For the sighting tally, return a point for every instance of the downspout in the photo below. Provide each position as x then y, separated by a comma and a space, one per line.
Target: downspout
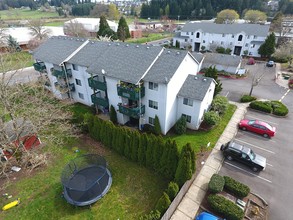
66, 79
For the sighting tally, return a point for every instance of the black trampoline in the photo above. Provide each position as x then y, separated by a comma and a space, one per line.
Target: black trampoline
86, 179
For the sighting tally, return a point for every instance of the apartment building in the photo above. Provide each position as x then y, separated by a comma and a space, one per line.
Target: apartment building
240, 38
139, 81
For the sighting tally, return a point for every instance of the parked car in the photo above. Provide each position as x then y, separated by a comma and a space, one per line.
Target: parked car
238, 152
258, 127
207, 216
270, 63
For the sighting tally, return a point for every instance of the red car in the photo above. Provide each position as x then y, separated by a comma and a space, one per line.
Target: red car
258, 127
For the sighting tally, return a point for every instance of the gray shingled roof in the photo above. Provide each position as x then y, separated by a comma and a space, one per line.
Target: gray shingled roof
198, 56
195, 87
206, 27
56, 49
220, 59
166, 65
89, 53
127, 62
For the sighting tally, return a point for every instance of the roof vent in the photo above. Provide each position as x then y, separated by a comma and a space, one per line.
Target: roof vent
82, 40
148, 47
77, 39
166, 79
127, 45
204, 79
178, 53
169, 52
92, 42
109, 44
71, 38
137, 46
117, 44
195, 78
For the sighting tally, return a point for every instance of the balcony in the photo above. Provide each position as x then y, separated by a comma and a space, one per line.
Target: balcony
133, 112
95, 84
129, 92
96, 99
61, 73
72, 87
39, 66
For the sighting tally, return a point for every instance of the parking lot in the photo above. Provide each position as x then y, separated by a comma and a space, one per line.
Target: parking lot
274, 182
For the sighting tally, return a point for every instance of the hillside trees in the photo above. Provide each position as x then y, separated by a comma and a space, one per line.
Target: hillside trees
227, 16
255, 16
123, 30
268, 47
105, 30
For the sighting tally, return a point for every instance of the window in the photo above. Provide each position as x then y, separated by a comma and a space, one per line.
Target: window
78, 82
197, 35
203, 41
253, 46
74, 67
187, 102
188, 118
153, 104
246, 45
153, 86
254, 36
248, 36
191, 33
151, 121
232, 35
185, 40
190, 40
240, 38
212, 42
223, 35
231, 43
80, 95
222, 42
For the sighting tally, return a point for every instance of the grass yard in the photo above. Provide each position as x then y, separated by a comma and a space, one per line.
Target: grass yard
134, 190
14, 61
18, 14
151, 37
202, 138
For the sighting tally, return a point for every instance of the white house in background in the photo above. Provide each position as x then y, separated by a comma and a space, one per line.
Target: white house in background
139, 81
91, 25
240, 38
222, 62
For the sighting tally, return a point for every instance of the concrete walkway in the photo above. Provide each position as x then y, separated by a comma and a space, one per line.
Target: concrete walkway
190, 203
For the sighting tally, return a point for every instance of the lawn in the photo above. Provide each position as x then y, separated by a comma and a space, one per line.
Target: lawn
202, 138
150, 37
134, 189
13, 61
18, 14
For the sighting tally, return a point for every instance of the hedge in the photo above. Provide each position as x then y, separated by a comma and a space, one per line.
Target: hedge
216, 183
225, 207
279, 108
172, 190
236, 188
262, 106
211, 118
247, 98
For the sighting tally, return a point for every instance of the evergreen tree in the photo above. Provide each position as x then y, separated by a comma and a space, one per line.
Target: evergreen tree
142, 149
187, 149
163, 203
105, 30
173, 158
180, 126
268, 47
158, 151
157, 126
185, 167
13, 45
113, 114
127, 142
150, 151
213, 73
172, 190
122, 139
164, 159
134, 146
123, 30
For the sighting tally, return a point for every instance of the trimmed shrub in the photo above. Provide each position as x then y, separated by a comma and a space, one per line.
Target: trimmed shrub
172, 190
247, 98
225, 207
279, 108
163, 203
236, 188
220, 104
220, 50
113, 114
261, 106
185, 169
211, 118
216, 183
180, 126
153, 215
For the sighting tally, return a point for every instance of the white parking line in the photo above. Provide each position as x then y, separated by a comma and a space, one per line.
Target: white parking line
272, 152
284, 95
227, 94
256, 135
270, 165
270, 122
232, 165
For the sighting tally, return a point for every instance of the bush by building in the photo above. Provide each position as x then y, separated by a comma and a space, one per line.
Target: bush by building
247, 98
211, 118
220, 104
180, 126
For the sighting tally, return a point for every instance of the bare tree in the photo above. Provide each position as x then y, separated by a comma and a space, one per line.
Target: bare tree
75, 29
28, 108
37, 29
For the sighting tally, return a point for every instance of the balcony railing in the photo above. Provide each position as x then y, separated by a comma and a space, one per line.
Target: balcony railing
96, 99
95, 84
130, 92
40, 66
133, 112
61, 73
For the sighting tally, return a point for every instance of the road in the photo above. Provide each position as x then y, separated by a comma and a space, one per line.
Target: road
275, 183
